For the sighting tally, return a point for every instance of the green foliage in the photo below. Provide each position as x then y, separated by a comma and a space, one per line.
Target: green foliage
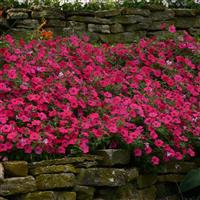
191, 181
101, 5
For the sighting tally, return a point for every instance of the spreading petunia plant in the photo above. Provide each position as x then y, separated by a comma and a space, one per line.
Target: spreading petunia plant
65, 95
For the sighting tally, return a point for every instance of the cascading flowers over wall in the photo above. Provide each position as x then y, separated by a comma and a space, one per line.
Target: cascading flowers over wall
66, 94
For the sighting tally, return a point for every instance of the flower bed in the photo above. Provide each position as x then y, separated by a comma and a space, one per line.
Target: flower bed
65, 95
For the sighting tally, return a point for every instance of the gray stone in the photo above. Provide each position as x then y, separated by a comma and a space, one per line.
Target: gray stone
48, 14
1, 171
116, 28
162, 15
135, 11
16, 168
56, 23
92, 20
144, 181
98, 28
113, 157
53, 169
84, 192
102, 177
108, 13
128, 19
17, 15
52, 181
27, 24
18, 185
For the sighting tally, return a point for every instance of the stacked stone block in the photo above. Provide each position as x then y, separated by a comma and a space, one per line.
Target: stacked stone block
124, 25
109, 175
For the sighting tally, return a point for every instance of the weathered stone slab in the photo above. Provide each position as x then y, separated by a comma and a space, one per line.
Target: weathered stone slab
187, 22
52, 181
98, 28
139, 26
92, 20
48, 14
80, 13
177, 167
174, 178
132, 174
167, 190
144, 181
184, 12
56, 23
135, 11
16, 168
73, 27
126, 192
128, 19
3, 23
126, 37
84, 192
156, 25
27, 23
65, 195
102, 177
113, 157
46, 195
1, 171
116, 28
108, 13
25, 10
162, 15
1, 198
53, 169
18, 185
63, 161
17, 15
87, 164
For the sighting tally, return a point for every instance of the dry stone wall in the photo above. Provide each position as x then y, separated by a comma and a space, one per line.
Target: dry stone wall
109, 175
122, 25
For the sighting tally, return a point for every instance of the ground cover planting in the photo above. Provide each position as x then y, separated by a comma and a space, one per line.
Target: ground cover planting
66, 96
